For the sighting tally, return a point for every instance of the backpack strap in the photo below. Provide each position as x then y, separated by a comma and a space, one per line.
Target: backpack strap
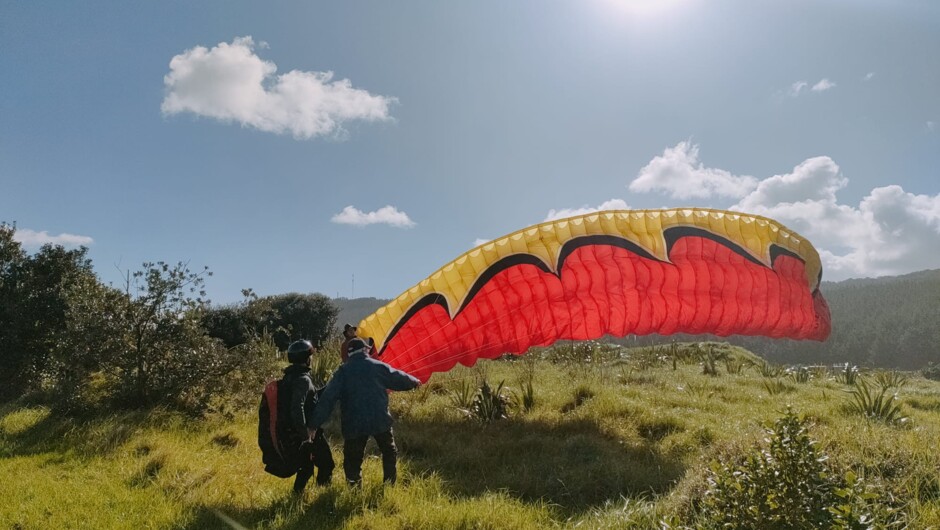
270, 394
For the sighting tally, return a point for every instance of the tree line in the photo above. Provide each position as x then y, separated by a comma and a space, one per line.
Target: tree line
70, 340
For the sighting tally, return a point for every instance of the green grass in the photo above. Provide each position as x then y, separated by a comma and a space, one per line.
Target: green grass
617, 443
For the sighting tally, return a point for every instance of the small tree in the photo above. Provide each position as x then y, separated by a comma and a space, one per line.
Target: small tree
34, 307
300, 316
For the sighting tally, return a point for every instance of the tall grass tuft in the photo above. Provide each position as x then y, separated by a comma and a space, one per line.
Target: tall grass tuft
489, 404
875, 404
848, 375
462, 393
735, 366
766, 369
799, 374
891, 379
524, 397
323, 364
775, 386
710, 363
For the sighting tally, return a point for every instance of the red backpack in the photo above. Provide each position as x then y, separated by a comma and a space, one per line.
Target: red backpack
279, 443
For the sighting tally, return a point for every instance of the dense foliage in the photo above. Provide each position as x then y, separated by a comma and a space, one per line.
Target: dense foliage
80, 344
789, 484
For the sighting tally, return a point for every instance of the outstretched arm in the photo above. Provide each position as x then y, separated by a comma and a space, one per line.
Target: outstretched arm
398, 380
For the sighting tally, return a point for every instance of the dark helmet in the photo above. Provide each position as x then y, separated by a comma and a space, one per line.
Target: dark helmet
299, 350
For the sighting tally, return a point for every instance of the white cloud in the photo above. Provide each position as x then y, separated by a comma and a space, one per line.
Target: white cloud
388, 215
32, 239
823, 85
890, 231
613, 204
231, 83
797, 88
679, 174
869, 75
801, 87
814, 179
931, 126
480, 241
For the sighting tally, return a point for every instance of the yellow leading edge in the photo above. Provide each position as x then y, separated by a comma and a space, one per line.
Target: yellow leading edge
453, 281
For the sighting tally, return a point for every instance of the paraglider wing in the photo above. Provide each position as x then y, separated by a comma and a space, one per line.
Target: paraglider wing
614, 272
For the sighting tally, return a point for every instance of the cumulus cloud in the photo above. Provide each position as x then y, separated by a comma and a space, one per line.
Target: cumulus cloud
869, 75
230, 83
890, 231
679, 174
388, 215
613, 204
823, 85
32, 239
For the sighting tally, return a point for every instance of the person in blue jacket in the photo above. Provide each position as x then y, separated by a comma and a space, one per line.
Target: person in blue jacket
361, 386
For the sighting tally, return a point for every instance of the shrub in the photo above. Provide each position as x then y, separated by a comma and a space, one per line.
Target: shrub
932, 372
788, 484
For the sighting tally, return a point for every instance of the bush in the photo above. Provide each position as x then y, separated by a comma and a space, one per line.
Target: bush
932, 372
788, 484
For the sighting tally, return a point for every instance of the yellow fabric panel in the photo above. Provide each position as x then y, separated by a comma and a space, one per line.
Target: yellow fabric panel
544, 241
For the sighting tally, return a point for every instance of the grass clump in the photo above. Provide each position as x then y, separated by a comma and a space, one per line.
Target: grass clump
489, 404
848, 375
876, 404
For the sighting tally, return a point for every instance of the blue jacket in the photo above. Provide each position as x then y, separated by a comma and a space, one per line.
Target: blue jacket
361, 387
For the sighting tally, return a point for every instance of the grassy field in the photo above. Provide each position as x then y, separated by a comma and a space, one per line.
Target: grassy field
609, 440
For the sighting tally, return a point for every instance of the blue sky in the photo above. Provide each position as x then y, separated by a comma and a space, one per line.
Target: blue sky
291, 145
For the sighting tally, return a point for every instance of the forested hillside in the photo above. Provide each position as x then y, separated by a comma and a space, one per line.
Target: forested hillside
352, 310
890, 322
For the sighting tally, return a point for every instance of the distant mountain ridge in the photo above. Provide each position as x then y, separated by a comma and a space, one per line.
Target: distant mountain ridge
886, 322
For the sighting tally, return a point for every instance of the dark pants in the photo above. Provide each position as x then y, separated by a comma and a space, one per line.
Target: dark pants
316, 453
355, 448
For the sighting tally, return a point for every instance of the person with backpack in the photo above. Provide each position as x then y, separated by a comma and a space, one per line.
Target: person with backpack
289, 443
361, 386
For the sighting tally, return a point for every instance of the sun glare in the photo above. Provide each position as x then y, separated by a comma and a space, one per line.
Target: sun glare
644, 7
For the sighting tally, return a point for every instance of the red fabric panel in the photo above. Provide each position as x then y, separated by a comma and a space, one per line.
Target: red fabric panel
708, 288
